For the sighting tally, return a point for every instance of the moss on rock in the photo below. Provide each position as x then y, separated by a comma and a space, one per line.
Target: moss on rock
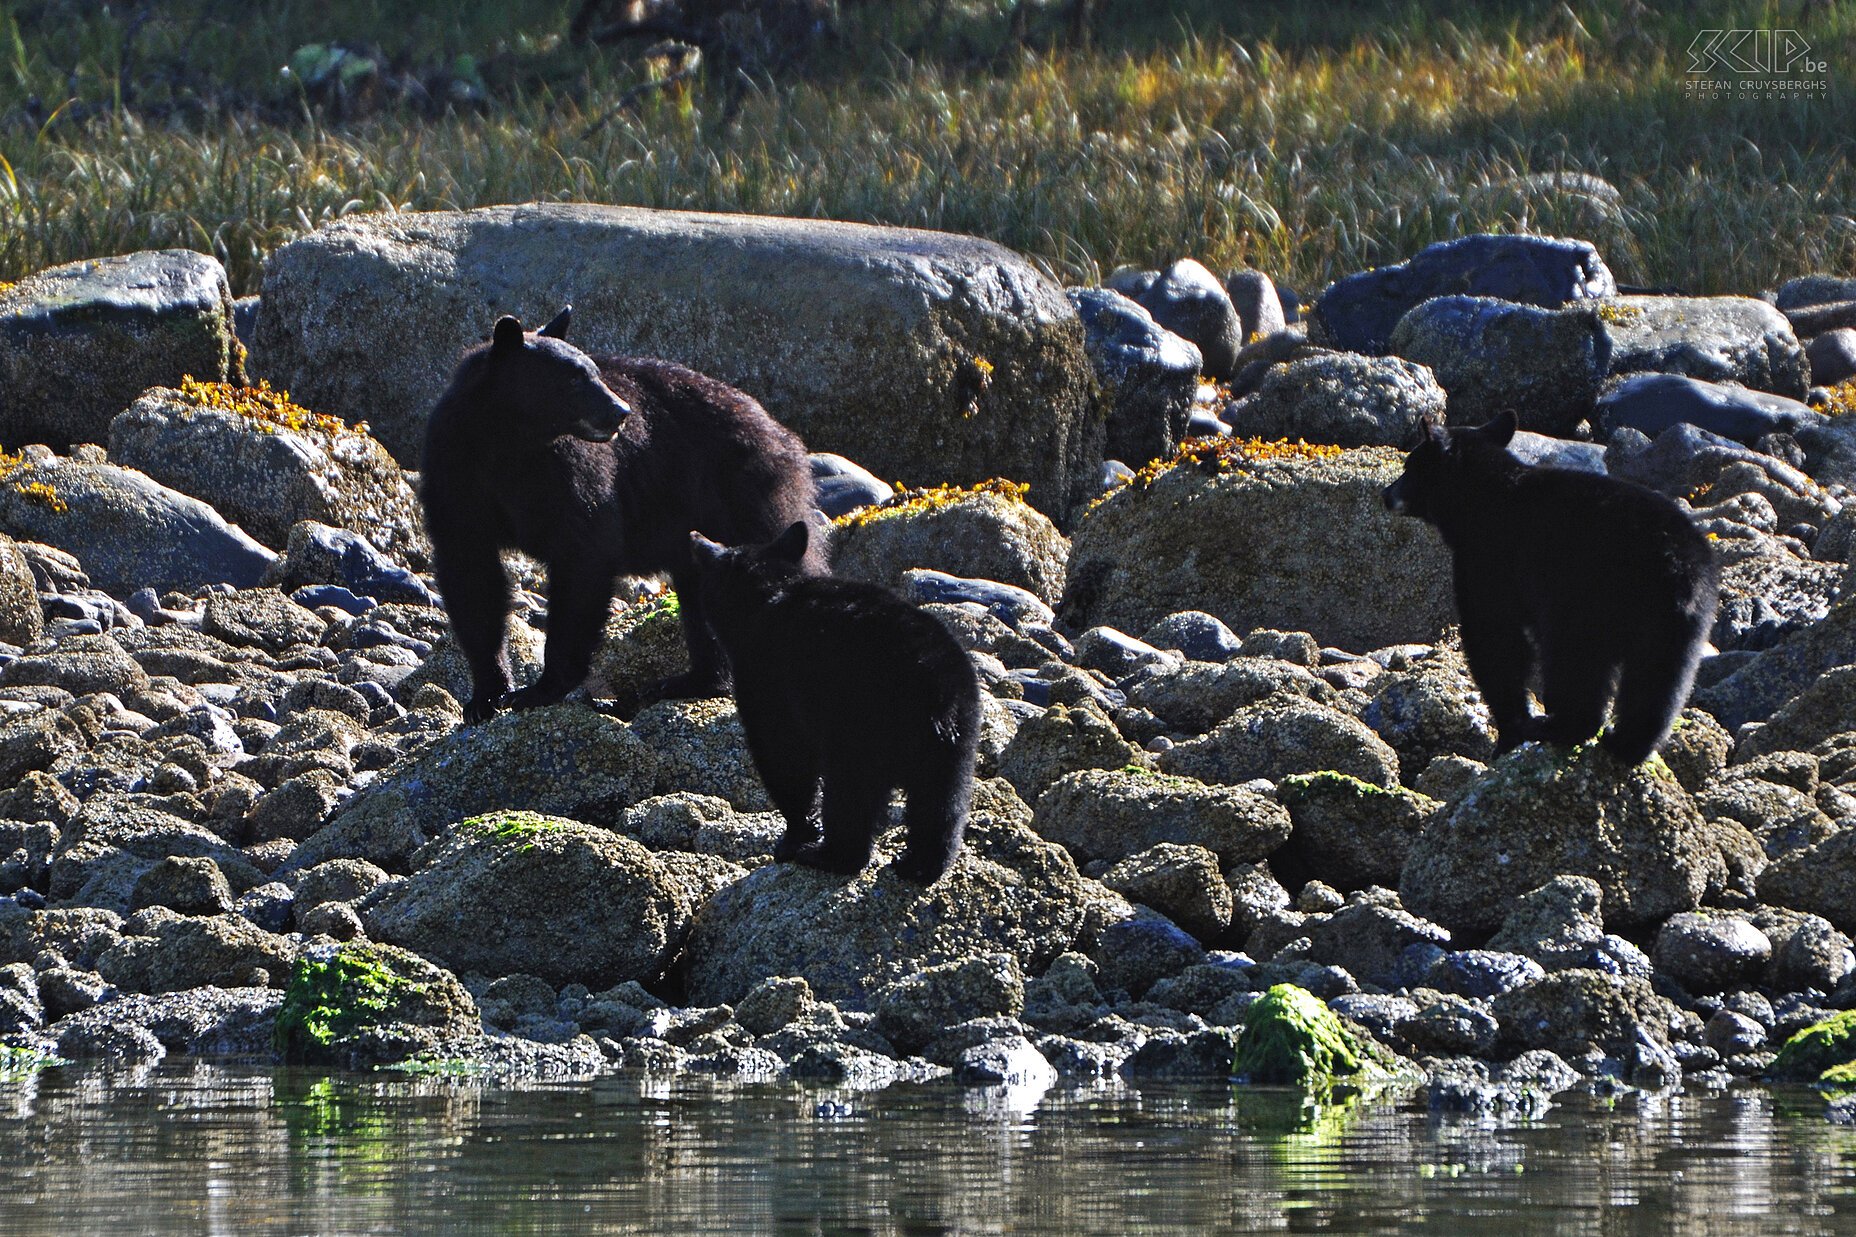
1291, 1038
1822, 1052
367, 1003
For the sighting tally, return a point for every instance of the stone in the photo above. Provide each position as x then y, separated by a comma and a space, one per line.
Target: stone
81, 665
1188, 300
1008, 892
361, 1004
1194, 697
1294, 539
1063, 740
1574, 1011
22, 622
1281, 736
1195, 634
700, 748
1823, 709
1804, 291
1349, 833
190, 885
1451, 1027
1181, 882
979, 534
1259, 307
1290, 1038
1832, 357
921, 355
318, 554
260, 618
1138, 951
1430, 710
1738, 339
1147, 374
1543, 812
1707, 953
516, 892
1115, 813
844, 486
1493, 356
162, 951
1815, 878
78, 342
563, 761
1358, 313
1654, 402
1341, 398
916, 1008
130, 531
266, 464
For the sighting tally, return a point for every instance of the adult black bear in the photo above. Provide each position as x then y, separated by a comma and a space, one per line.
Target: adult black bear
847, 684
598, 467
1603, 586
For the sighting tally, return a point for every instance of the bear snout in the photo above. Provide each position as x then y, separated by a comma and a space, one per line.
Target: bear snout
602, 425
1394, 496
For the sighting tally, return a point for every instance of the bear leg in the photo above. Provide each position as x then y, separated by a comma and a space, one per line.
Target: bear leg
1577, 680
936, 817
708, 673
578, 601
478, 599
1500, 659
789, 770
854, 810
1652, 690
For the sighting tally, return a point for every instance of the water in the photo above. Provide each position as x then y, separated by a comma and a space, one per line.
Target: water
196, 1148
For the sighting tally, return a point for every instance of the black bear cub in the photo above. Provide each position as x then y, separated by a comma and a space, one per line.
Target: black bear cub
1585, 585
598, 467
846, 684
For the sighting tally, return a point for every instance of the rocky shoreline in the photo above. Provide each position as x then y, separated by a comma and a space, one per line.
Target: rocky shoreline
1239, 812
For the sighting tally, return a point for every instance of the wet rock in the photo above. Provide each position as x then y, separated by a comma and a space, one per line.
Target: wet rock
1009, 891
564, 761
361, 1004
191, 886
521, 892
1291, 1039
1572, 1012
1134, 953
700, 748
22, 622
1341, 398
1368, 939
1481, 973
1351, 833
1188, 300
1194, 696
979, 534
1112, 814
1491, 356
1709, 952
110, 1042
1200, 1055
773, 1003
1451, 1027
1731, 1034
1656, 401
1543, 812
920, 355
1148, 375
916, 1008
1195, 634
1147, 552
1807, 951
265, 464
1283, 736
844, 486
161, 951
1060, 741
78, 342
1010, 1061
1817, 1049
318, 554
1181, 882
1832, 356
1358, 313
1713, 338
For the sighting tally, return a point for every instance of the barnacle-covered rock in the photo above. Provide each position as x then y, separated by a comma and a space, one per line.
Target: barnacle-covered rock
986, 532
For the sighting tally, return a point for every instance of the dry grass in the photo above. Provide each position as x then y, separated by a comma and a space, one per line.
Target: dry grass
1310, 148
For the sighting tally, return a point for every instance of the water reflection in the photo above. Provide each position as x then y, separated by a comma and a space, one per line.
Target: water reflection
194, 1147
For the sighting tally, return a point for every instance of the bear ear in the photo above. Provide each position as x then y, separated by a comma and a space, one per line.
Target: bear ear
704, 550
791, 544
508, 334
557, 325
1431, 427
1500, 431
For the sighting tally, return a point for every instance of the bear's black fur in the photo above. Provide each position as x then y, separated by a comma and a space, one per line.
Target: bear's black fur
847, 684
1603, 587
598, 467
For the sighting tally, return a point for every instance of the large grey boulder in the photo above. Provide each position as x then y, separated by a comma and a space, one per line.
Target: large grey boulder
78, 342
566, 760
1655, 402
519, 892
1492, 356
1357, 313
128, 530
1148, 375
1710, 338
1009, 892
984, 533
1294, 539
1541, 812
924, 356
265, 464
1342, 398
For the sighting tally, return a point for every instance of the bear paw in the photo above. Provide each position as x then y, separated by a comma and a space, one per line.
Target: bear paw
686, 686
920, 869
818, 855
534, 696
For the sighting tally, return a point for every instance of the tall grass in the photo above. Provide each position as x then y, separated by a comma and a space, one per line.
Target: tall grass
1320, 145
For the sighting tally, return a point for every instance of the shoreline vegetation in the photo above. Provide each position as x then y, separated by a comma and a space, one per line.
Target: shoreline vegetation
1309, 144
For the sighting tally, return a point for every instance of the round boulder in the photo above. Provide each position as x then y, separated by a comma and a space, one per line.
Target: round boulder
1341, 398
987, 532
1115, 813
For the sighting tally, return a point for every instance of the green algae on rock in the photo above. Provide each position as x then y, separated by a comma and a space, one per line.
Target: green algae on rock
369, 1003
1824, 1051
1291, 1038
